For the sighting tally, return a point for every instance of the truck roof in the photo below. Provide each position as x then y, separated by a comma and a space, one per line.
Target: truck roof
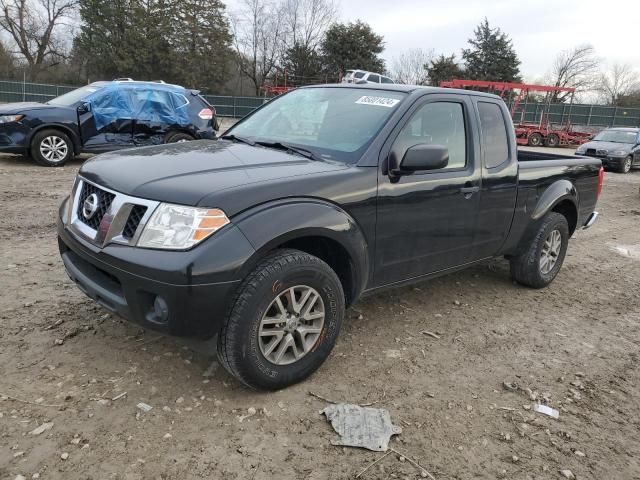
397, 87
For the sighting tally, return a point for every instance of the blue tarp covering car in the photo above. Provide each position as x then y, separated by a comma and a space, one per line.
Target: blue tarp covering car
160, 104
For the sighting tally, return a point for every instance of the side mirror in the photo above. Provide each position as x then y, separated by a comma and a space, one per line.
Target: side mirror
84, 108
419, 157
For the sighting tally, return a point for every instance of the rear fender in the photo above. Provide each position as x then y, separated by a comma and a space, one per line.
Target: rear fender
561, 191
275, 223
557, 192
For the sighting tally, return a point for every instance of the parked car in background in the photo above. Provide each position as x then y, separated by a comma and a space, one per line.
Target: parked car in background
362, 76
105, 116
321, 195
618, 148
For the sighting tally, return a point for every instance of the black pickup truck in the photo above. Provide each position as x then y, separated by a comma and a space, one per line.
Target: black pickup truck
324, 194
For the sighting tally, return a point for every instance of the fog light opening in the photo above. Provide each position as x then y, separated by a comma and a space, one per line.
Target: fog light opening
160, 311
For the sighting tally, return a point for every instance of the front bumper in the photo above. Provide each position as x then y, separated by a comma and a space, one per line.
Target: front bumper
178, 293
607, 161
13, 138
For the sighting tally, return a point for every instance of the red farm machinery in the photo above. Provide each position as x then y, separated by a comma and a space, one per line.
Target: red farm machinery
533, 133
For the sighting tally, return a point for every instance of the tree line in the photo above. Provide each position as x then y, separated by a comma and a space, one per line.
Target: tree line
201, 44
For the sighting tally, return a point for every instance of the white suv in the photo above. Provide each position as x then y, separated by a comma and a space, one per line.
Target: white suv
362, 76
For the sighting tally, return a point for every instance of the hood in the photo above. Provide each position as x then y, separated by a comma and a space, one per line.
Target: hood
608, 146
189, 173
23, 107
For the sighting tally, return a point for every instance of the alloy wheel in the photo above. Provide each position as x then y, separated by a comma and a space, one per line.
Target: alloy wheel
54, 149
550, 252
291, 325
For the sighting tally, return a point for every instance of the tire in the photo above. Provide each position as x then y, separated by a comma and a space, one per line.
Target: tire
51, 148
246, 355
175, 137
625, 165
535, 140
552, 140
527, 269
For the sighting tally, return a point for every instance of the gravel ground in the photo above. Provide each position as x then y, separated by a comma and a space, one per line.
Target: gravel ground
79, 372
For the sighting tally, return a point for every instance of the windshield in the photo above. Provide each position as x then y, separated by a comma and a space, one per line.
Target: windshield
334, 123
74, 96
359, 74
616, 136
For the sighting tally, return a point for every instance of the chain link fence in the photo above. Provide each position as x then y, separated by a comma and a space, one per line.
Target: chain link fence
237, 107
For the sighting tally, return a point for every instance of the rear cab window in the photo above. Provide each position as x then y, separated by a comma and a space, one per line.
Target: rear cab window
495, 139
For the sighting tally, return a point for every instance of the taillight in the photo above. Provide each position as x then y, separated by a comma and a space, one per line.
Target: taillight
600, 182
206, 114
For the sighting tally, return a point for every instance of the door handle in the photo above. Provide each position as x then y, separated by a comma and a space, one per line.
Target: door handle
469, 191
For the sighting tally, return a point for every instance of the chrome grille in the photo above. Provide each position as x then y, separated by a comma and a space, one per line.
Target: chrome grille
104, 202
117, 218
137, 212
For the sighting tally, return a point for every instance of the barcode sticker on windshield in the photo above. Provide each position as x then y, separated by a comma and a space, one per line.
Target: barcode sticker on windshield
378, 101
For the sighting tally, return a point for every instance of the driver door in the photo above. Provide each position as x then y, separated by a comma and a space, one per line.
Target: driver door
427, 220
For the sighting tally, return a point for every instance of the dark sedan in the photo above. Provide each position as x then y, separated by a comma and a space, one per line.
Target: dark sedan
105, 116
618, 148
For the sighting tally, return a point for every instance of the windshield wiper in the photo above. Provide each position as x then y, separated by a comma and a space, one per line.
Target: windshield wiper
290, 148
235, 138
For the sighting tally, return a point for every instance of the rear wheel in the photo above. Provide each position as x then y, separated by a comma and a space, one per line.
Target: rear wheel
177, 137
535, 140
51, 148
540, 264
552, 140
625, 165
284, 321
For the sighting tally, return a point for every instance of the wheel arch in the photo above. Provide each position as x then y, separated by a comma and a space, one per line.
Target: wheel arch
75, 139
315, 227
561, 197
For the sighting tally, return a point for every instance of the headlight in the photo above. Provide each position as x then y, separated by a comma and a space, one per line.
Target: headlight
580, 150
177, 227
619, 153
10, 118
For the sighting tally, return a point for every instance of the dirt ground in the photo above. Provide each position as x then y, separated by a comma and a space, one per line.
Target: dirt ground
575, 345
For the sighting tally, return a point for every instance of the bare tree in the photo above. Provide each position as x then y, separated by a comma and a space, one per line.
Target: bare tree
33, 28
259, 39
621, 80
306, 21
574, 68
410, 67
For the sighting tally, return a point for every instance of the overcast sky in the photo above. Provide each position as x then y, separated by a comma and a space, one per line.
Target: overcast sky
539, 29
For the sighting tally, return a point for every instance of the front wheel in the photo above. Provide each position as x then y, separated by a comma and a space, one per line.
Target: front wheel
51, 148
625, 165
540, 264
284, 321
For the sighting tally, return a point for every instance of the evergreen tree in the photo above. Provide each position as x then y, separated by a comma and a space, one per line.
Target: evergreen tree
178, 41
442, 69
202, 42
491, 56
351, 46
303, 65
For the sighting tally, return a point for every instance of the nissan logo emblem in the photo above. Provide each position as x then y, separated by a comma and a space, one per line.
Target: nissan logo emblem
90, 206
